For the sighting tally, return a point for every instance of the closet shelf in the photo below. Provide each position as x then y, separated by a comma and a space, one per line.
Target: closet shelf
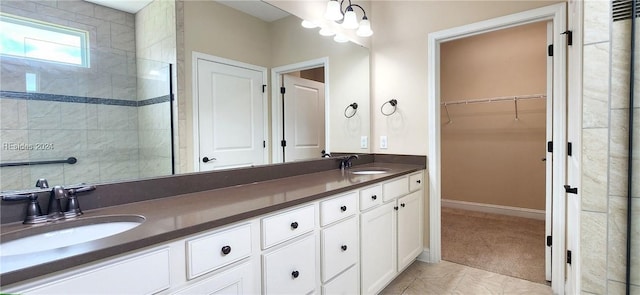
490, 100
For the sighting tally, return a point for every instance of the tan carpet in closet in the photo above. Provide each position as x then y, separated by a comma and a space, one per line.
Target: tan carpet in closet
507, 245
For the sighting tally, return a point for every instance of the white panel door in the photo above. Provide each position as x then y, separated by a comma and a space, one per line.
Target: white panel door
230, 116
304, 118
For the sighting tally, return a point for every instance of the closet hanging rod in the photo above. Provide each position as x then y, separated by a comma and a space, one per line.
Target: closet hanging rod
494, 99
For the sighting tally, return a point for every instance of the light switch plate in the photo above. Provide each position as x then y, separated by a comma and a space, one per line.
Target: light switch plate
383, 142
364, 142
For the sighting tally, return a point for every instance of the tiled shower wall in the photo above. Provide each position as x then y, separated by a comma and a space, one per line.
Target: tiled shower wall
155, 41
605, 146
101, 135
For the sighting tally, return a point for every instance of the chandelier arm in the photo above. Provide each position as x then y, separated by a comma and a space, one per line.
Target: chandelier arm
363, 12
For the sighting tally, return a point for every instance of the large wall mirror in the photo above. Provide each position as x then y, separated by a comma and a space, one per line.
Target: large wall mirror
107, 104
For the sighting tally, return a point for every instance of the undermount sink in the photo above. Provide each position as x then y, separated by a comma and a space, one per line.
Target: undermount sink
66, 233
369, 170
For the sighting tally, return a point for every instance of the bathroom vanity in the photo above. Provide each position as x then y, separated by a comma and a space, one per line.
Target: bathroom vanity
330, 232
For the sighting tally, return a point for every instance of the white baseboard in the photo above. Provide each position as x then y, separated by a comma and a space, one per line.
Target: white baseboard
424, 256
495, 209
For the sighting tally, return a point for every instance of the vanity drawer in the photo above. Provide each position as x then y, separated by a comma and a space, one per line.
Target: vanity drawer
416, 181
370, 197
395, 188
291, 269
287, 225
140, 273
345, 284
338, 208
212, 251
339, 248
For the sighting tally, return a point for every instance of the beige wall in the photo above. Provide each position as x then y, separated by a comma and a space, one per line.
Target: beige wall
487, 156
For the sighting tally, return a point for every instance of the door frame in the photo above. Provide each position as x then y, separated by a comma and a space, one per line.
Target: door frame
195, 57
276, 102
557, 14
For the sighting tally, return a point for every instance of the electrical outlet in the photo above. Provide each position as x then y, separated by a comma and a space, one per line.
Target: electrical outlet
364, 142
383, 142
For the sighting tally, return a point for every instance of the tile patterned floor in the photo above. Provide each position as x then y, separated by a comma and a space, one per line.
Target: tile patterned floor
451, 278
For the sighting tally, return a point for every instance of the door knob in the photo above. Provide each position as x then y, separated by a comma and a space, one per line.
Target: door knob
206, 159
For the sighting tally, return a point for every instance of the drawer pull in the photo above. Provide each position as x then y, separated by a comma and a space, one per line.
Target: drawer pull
226, 250
419, 181
294, 225
295, 274
343, 208
344, 247
374, 197
402, 205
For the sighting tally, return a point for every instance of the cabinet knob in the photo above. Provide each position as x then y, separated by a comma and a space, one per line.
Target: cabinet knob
295, 274
419, 181
395, 208
344, 247
294, 225
402, 205
343, 208
226, 250
374, 197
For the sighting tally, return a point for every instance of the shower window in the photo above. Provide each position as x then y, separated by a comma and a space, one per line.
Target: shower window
26, 38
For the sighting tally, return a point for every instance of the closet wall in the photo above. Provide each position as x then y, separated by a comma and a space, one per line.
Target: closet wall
488, 156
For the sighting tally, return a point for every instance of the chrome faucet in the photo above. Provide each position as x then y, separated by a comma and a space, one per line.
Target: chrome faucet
56, 195
346, 161
55, 208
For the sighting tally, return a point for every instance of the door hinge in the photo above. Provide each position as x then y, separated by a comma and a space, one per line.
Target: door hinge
569, 149
569, 256
550, 146
282, 90
283, 143
264, 144
550, 50
569, 37
570, 190
549, 241
264, 87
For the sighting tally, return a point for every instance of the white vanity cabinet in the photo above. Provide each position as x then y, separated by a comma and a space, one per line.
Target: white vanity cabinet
391, 234
351, 243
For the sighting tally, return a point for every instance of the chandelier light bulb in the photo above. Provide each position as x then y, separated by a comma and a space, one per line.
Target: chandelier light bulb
334, 11
309, 25
350, 20
326, 32
364, 30
340, 38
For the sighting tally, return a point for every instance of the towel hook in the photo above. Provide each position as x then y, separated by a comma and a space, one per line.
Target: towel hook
354, 106
393, 103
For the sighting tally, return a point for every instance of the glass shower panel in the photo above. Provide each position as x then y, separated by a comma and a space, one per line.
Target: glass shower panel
72, 124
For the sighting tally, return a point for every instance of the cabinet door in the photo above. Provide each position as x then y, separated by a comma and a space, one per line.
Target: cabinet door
236, 280
409, 228
378, 248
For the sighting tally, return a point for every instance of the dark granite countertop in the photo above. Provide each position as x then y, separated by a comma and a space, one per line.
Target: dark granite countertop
178, 216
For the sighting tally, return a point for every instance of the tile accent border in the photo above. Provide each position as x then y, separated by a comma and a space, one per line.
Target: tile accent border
81, 99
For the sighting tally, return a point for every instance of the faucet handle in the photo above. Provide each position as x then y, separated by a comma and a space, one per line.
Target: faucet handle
42, 183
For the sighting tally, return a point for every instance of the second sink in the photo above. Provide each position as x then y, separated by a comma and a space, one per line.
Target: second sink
369, 170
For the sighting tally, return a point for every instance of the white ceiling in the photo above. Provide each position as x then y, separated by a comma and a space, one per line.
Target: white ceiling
131, 6
256, 8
